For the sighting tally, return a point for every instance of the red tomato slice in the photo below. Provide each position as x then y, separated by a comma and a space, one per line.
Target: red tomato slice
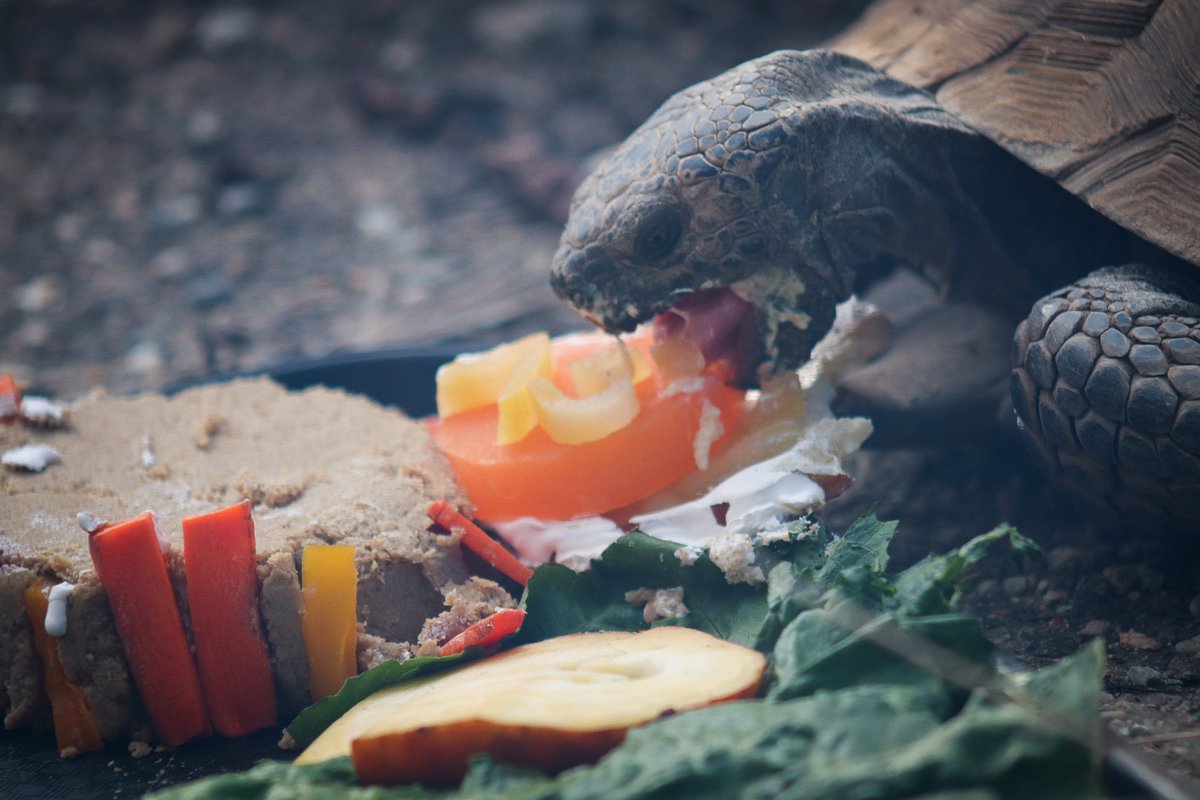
537, 477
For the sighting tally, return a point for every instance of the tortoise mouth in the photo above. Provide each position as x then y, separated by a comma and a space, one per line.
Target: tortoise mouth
722, 326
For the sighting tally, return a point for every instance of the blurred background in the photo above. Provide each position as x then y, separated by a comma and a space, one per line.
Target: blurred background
189, 188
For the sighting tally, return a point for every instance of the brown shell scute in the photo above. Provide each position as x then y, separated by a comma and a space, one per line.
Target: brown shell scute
1102, 97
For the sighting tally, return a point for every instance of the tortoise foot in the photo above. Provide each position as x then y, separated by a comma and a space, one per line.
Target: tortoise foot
1106, 385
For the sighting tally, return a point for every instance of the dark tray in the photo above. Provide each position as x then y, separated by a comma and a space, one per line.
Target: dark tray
402, 378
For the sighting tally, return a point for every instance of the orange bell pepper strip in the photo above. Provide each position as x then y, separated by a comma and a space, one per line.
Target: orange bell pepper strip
488, 631
129, 558
478, 542
330, 616
231, 653
74, 723
10, 397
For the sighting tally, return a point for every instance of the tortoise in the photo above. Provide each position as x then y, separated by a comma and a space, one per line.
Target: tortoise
1049, 150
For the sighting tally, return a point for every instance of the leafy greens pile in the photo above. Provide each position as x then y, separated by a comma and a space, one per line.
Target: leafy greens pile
876, 687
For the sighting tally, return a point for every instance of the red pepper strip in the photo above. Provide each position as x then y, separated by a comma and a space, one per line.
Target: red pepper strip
231, 654
129, 559
478, 542
74, 724
487, 631
10, 397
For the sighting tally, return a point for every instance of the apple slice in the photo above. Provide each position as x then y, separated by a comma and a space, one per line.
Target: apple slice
552, 705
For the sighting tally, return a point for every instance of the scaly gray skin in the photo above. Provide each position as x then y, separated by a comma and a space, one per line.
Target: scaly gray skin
793, 175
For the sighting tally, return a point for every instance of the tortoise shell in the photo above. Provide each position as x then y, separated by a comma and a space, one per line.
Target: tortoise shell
1101, 95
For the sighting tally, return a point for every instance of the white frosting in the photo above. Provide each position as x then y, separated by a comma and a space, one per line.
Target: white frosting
86, 521
56, 611
572, 542
31, 457
41, 409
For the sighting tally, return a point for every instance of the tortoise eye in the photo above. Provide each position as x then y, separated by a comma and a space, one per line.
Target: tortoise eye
658, 233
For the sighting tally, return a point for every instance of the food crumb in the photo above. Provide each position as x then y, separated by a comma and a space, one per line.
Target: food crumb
658, 603
733, 553
139, 749
688, 554
709, 430
207, 430
68, 752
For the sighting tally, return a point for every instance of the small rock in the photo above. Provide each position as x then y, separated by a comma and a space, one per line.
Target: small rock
1096, 627
1150, 578
38, 294
1189, 646
1054, 596
1138, 641
209, 291
144, 358
378, 221
1121, 577
1139, 675
205, 128
22, 100
1015, 585
227, 28
240, 200
1061, 557
1184, 667
987, 588
171, 264
176, 212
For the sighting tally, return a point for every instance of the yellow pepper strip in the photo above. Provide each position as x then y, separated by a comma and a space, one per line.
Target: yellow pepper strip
517, 414
577, 420
477, 380
329, 620
74, 724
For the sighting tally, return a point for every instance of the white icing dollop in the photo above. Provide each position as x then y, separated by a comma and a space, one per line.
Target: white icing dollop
42, 410
31, 457
86, 521
56, 611
573, 543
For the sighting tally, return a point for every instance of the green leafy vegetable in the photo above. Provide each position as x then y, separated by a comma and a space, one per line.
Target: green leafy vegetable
309, 724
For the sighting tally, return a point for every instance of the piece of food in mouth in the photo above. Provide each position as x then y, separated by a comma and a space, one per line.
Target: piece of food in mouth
696, 458
551, 705
318, 467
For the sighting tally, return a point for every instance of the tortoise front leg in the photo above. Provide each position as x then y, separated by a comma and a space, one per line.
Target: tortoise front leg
1106, 383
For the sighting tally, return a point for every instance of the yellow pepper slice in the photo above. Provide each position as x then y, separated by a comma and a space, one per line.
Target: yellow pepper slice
329, 621
477, 380
517, 415
74, 724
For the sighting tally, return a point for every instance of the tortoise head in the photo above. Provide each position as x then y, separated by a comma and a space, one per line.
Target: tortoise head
705, 197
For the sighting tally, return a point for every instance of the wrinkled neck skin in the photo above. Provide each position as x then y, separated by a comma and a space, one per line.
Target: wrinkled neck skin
850, 173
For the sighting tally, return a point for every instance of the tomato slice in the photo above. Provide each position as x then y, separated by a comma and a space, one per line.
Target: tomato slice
538, 477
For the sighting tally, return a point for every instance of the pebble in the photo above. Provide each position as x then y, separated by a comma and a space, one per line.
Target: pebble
1150, 578
1054, 596
205, 128
1140, 675
1121, 577
144, 358
1015, 585
1096, 627
1189, 646
209, 291
37, 295
1061, 557
987, 588
175, 212
240, 200
23, 100
1138, 641
227, 28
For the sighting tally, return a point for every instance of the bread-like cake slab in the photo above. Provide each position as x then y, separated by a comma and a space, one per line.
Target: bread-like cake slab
320, 466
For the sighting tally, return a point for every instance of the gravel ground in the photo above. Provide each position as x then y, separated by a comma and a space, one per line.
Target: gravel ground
188, 189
